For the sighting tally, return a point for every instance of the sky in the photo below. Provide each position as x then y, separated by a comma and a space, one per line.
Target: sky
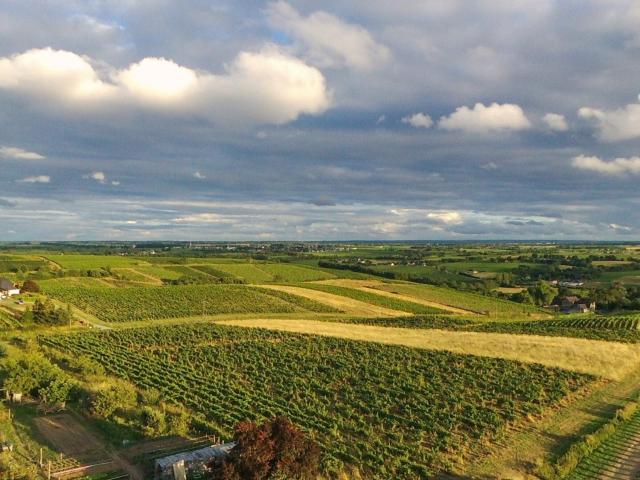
334, 120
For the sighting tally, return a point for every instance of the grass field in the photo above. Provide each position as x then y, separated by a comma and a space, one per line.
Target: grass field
344, 304
400, 414
158, 272
372, 298
248, 272
463, 300
605, 359
90, 262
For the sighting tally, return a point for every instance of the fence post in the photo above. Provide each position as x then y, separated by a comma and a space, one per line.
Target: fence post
40, 457
49, 474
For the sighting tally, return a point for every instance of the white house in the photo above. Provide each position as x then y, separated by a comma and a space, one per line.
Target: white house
7, 288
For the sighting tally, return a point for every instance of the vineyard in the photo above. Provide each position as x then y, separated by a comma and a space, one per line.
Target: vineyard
616, 329
454, 298
130, 304
373, 299
402, 413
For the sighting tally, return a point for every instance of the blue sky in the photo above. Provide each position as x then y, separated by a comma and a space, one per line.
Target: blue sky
456, 119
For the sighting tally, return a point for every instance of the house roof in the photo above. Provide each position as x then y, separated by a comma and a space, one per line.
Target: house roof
200, 455
6, 284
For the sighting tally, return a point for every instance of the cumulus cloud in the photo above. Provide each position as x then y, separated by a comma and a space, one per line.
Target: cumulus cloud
328, 40
618, 166
199, 176
418, 120
613, 125
36, 179
268, 86
555, 122
19, 154
484, 119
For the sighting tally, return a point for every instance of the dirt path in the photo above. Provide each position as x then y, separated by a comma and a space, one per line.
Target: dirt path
370, 286
606, 359
66, 433
347, 305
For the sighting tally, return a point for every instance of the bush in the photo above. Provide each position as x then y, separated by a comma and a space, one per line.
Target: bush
118, 396
153, 422
275, 449
30, 286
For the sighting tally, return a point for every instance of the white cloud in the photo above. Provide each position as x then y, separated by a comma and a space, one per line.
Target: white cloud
418, 120
381, 119
618, 166
158, 80
483, 119
53, 73
36, 179
555, 122
203, 218
99, 177
19, 154
617, 227
328, 40
447, 217
199, 176
490, 166
612, 125
268, 86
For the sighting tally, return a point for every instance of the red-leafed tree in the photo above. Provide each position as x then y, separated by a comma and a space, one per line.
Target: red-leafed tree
275, 449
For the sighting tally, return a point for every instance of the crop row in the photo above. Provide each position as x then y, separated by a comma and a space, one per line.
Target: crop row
130, 304
393, 412
465, 300
373, 299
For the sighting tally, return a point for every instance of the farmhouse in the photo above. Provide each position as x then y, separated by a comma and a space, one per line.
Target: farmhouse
180, 465
7, 288
573, 304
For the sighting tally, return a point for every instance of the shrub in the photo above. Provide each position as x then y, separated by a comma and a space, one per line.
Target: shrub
275, 449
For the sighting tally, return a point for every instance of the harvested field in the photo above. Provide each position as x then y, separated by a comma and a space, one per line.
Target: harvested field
606, 359
344, 304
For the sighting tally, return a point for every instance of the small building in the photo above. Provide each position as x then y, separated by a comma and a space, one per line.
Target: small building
180, 465
573, 304
7, 288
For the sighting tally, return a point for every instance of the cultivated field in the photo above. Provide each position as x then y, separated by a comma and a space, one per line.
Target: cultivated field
130, 304
606, 359
399, 414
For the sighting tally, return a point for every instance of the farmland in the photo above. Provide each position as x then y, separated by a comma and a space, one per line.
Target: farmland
468, 301
130, 304
393, 378
372, 298
395, 416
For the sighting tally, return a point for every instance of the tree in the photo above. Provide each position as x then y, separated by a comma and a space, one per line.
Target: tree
117, 396
275, 449
543, 293
30, 286
46, 312
57, 392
